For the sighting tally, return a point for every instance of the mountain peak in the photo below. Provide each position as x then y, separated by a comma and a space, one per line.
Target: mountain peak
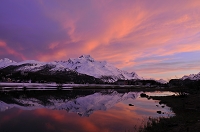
6, 60
162, 81
87, 57
192, 76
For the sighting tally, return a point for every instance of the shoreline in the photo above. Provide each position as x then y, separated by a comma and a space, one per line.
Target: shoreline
187, 114
40, 86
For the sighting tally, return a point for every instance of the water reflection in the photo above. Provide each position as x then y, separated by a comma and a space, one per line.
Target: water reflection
84, 111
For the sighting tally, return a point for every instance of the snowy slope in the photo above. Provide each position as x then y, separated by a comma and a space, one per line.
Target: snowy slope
83, 106
6, 62
192, 76
36, 66
100, 69
162, 81
32, 65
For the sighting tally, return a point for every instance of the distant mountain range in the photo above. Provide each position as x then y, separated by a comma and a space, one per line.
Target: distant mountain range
192, 77
85, 65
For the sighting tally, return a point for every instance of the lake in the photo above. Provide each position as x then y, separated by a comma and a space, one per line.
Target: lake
78, 110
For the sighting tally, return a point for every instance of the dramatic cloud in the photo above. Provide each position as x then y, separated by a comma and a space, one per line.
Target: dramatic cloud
141, 36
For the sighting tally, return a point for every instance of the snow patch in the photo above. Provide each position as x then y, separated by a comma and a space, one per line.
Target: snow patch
192, 76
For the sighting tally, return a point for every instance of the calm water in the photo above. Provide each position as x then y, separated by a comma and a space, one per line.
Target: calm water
77, 111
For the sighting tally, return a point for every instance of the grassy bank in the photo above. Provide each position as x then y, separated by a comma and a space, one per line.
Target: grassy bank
187, 110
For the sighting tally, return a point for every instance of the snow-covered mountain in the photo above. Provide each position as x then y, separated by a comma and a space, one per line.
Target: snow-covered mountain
100, 69
161, 81
84, 106
192, 76
85, 64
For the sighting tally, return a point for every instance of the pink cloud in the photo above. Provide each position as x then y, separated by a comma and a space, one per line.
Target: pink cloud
8, 50
120, 22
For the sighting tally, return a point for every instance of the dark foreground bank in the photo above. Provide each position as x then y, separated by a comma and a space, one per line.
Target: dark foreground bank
187, 110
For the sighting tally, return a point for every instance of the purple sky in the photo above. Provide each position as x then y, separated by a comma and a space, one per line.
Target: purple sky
154, 38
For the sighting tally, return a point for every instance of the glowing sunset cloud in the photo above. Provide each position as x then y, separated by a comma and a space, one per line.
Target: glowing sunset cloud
154, 38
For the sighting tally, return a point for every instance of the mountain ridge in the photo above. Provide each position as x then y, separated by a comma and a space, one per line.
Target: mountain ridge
191, 77
84, 64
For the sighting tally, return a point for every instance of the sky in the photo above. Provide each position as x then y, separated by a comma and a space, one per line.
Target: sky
154, 38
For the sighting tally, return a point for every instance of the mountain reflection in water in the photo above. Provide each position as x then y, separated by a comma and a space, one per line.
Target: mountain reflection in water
76, 110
